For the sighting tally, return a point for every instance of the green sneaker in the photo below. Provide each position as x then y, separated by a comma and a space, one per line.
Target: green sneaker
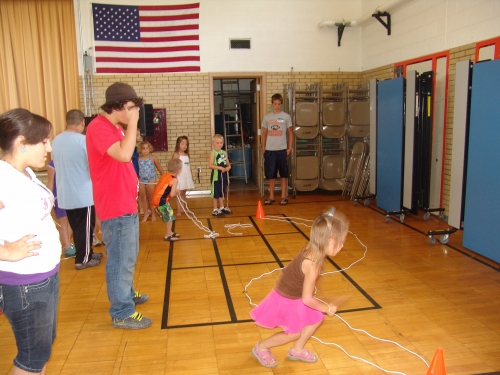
70, 251
134, 321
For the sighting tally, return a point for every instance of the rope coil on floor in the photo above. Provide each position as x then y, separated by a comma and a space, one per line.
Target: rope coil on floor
190, 215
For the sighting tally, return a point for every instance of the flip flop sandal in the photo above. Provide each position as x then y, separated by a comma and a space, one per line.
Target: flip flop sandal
171, 238
176, 235
269, 201
264, 357
284, 202
304, 356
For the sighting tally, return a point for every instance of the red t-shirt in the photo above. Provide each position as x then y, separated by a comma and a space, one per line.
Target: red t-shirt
115, 184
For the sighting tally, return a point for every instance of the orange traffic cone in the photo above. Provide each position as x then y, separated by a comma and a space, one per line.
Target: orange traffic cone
437, 364
260, 211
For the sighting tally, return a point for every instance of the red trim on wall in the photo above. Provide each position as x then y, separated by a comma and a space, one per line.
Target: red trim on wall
432, 57
490, 42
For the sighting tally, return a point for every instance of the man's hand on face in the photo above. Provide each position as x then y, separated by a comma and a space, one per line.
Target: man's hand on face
132, 113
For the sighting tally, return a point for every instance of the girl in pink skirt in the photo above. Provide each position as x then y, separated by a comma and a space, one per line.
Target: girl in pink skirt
291, 304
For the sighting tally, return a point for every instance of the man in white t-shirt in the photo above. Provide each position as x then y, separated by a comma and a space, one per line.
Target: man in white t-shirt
276, 128
74, 187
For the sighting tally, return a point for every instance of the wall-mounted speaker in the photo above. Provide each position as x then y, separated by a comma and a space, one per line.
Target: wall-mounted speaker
146, 125
88, 119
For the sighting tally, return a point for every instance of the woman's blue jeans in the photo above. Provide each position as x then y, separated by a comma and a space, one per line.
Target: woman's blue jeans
32, 313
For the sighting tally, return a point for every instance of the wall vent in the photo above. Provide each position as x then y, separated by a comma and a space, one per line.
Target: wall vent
239, 43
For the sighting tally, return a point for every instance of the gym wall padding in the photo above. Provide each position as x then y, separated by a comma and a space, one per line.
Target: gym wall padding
482, 204
390, 132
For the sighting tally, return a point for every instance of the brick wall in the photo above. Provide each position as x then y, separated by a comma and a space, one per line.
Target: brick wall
186, 98
277, 80
381, 73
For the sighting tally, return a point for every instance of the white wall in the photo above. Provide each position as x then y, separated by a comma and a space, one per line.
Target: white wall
423, 27
284, 33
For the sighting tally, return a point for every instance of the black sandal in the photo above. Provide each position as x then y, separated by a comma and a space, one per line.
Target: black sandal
171, 238
269, 201
284, 202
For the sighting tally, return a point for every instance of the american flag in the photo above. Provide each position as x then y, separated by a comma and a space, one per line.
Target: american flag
146, 39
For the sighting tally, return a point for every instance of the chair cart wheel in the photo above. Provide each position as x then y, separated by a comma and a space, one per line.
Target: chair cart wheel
354, 202
386, 218
294, 193
432, 240
444, 239
441, 215
427, 215
402, 218
367, 202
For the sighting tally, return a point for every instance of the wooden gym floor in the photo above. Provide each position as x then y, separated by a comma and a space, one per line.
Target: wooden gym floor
419, 295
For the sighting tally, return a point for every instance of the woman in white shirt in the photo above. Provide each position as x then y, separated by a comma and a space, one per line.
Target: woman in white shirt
30, 249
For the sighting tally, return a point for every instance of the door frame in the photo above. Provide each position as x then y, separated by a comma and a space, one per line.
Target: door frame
261, 98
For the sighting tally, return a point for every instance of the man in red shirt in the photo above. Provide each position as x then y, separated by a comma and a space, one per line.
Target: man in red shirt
115, 188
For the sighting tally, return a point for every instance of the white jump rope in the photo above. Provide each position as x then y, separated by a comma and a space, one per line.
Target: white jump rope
212, 234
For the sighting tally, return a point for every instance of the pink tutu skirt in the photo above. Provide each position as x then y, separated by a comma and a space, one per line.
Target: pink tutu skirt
290, 314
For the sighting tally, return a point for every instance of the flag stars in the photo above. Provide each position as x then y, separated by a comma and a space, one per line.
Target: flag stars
118, 23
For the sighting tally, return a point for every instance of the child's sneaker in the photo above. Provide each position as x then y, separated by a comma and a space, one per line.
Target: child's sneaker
226, 210
217, 212
70, 251
95, 241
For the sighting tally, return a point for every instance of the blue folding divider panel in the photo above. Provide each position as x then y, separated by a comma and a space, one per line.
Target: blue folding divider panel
482, 205
390, 132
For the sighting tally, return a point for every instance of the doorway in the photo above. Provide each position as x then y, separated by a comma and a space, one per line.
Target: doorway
242, 91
